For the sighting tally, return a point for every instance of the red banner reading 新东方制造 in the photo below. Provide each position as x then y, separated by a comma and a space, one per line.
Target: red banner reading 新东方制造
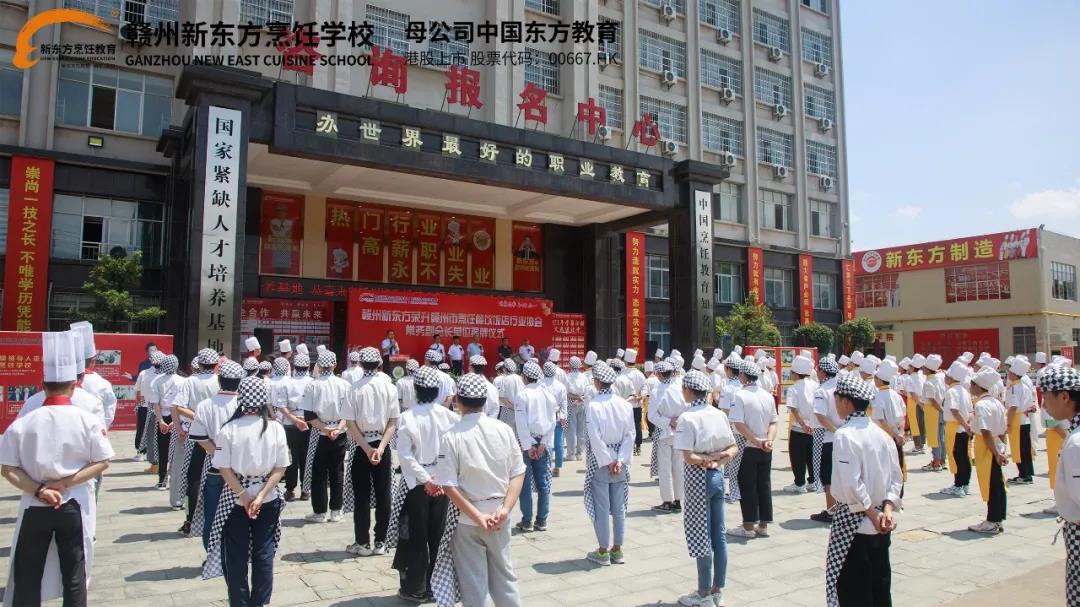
26, 267
1002, 246
281, 234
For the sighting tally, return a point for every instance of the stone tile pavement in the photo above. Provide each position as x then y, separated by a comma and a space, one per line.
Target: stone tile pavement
140, 560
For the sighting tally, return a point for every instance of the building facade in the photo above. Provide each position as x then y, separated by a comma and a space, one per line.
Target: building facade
1007, 293
747, 96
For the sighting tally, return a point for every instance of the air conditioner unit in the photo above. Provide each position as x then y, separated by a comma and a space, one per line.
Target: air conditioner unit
780, 110
667, 10
826, 182
727, 95
825, 124
821, 70
780, 171
723, 36
668, 78
668, 147
727, 159
603, 132
775, 54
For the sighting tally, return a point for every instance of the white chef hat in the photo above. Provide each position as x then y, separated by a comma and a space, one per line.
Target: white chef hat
1040, 357
770, 363
86, 333
714, 364
857, 357
649, 366
843, 360
918, 361
77, 345
905, 362
760, 354
698, 363
737, 350
319, 349
659, 355
891, 357
58, 357
887, 371
967, 357
718, 353
590, 358
806, 353
630, 355
957, 370
619, 353
284, 346
553, 355
802, 365
675, 353
699, 352
1019, 366
868, 366
933, 362
302, 349
986, 378
252, 344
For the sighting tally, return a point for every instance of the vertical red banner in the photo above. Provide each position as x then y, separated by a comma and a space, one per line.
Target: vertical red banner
428, 230
340, 234
455, 247
482, 254
635, 290
26, 268
806, 290
848, 285
281, 234
370, 221
399, 241
568, 336
528, 257
755, 273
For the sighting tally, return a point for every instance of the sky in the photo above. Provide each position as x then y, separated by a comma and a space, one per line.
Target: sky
963, 118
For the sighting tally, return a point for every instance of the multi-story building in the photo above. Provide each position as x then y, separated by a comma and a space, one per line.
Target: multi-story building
747, 95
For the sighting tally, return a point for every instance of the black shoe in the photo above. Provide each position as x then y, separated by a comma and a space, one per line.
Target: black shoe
185, 529
677, 506
665, 507
524, 527
305, 496
822, 517
290, 496
418, 598
540, 526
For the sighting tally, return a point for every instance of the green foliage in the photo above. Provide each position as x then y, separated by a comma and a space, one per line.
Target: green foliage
856, 334
749, 324
814, 335
111, 282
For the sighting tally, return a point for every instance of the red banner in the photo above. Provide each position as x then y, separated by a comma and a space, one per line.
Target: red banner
340, 222
415, 316
399, 240
568, 336
954, 342
1003, 246
372, 237
26, 268
528, 257
755, 272
482, 236
806, 290
298, 320
119, 355
456, 248
428, 237
635, 291
281, 234
847, 280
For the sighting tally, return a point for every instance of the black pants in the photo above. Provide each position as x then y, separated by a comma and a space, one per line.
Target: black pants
962, 459
40, 526
456, 367
298, 446
920, 421
1024, 465
328, 469
995, 506
755, 486
637, 427
194, 475
825, 465
900, 455
801, 450
364, 475
866, 578
163, 450
423, 519
140, 425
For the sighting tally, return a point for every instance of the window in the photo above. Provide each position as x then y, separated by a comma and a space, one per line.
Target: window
11, 80
550, 7
658, 329
775, 210
722, 134
3, 219
816, 47
727, 203
611, 100
1023, 340
877, 291
107, 98
388, 29
660, 53
779, 287
982, 282
772, 88
672, 118
729, 282
721, 14
1076, 336
615, 47
823, 219
819, 102
818, 5
680, 5
824, 291
721, 72
820, 159
539, 70
771, 30
66, 307
134, 11
266, 11
787, 334
1062, 281
444, 53
657, 268
87, 228
774, 148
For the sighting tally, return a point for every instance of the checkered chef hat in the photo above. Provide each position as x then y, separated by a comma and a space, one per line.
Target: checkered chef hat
170, 364
472, 385
603, 373
301, 360
157, 358
251, 364
664, 366
432, 356
749, 368
697, 381
550, 369
370, 355
265, 366
500, 365
252, 395
532, 371
354, 357
411, 366
511, 366
733, 361
828, 365
477, 361
281, 366
575, 362
426, 377
230, 369
618, 364
208, 357
195, 364
1056, 379
853, 387
327, 360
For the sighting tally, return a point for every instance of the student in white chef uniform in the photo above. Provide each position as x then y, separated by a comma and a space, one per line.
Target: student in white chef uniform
163, 413
1060, 388
52, 455
534, 414
324, 403
478, 366
579, 389
91, 381
198, 388
753, 415
406, 386
664, 410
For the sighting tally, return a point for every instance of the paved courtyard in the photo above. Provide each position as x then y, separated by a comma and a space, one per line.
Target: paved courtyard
141, 560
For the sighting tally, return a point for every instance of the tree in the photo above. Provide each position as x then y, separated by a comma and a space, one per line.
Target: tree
814, 335
856, 334
749, 324
111, 282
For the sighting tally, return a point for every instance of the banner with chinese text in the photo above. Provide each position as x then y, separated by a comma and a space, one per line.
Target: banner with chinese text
399, 241
371, 221
298, 320
1003, 246
635, 291
455, 248
806, 290
119, 355
755, 273
29, 230
847, 283
528, 257
281, 234
954, 342
482, 237
568, 336
340, 219
428, 238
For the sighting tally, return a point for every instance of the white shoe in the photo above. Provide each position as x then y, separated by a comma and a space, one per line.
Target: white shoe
952, 490
354, 549
718, 598
696, 600
335, 516
795, 489
741, 532
986, 528
316, 517
139, 457
967, 489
